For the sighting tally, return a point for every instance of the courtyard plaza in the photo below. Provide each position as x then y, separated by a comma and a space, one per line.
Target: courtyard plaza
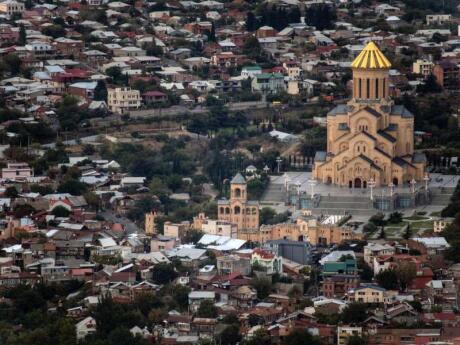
332, 199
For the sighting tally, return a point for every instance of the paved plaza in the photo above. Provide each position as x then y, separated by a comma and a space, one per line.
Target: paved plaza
342, 199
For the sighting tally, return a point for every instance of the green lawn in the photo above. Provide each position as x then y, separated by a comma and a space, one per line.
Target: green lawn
416, 218
428, 224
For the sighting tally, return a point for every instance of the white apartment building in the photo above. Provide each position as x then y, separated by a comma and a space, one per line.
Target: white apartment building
11, 7
219, 227
122, 100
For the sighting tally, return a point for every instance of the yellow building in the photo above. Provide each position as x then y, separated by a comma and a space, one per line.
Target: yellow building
369, 137
239, 210
149, 223
302, 230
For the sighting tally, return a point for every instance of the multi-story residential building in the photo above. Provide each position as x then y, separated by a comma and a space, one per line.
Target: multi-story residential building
345, 332
422, 67
228, 264
372, 250
225, 60
438, 19
162, 243
268, 83
367, 294
250, 71
17, 171
219, 227
122, 100
440, 224
338, 285
447, 74
11, 7
176, 230
268, 262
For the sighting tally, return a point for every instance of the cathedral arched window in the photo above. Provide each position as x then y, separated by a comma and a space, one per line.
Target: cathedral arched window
368, 88
222, 210
237, 193
237, 210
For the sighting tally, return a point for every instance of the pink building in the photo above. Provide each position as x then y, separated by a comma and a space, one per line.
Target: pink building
162, 243
17, 171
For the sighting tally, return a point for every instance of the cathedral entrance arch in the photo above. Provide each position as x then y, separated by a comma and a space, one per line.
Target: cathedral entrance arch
364, 184
350, 184
395, 181
358, 183
329, 180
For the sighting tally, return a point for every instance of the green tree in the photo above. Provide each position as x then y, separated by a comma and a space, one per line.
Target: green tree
251, 21
266, 215
11, 192
180, 295
263, 286
395, 218
354, 313
388, 279
60, 211
230, 335
207, 309
301, 337
22, 35
406, 272
73, 187
100, 92
163, 273
259, 337
378, 219
356, 340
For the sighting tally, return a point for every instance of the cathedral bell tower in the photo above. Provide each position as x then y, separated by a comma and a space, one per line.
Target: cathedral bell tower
370, 75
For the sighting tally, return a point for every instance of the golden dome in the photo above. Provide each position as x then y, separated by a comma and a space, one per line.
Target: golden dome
371, 57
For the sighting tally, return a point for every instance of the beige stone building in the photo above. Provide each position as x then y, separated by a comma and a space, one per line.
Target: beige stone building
122, 100
239, 210
149, 223
310, 230
11, 7
369, 137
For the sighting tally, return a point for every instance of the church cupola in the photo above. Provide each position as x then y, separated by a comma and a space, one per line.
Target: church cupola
370, 74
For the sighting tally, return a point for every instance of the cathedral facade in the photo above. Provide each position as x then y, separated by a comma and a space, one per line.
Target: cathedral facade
369, 138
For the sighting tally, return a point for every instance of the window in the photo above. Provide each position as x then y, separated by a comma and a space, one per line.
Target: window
377, 88
368, 88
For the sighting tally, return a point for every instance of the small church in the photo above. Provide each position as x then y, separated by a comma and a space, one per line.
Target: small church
370, 138
239, 210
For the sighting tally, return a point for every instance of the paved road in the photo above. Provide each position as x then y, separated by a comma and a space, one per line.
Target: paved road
129, 226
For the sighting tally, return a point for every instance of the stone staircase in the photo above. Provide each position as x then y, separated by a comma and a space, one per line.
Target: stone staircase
340, 204
441, 197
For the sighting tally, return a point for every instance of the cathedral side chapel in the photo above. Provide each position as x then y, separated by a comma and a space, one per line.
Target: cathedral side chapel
369, 138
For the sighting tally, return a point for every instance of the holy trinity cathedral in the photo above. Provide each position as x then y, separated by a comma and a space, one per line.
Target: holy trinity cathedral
369, 137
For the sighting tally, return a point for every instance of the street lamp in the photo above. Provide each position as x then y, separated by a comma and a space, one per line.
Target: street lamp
371, 184
392, 186
426, 178
312, 184
278, 161
298, 185
286, 181
413, 183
